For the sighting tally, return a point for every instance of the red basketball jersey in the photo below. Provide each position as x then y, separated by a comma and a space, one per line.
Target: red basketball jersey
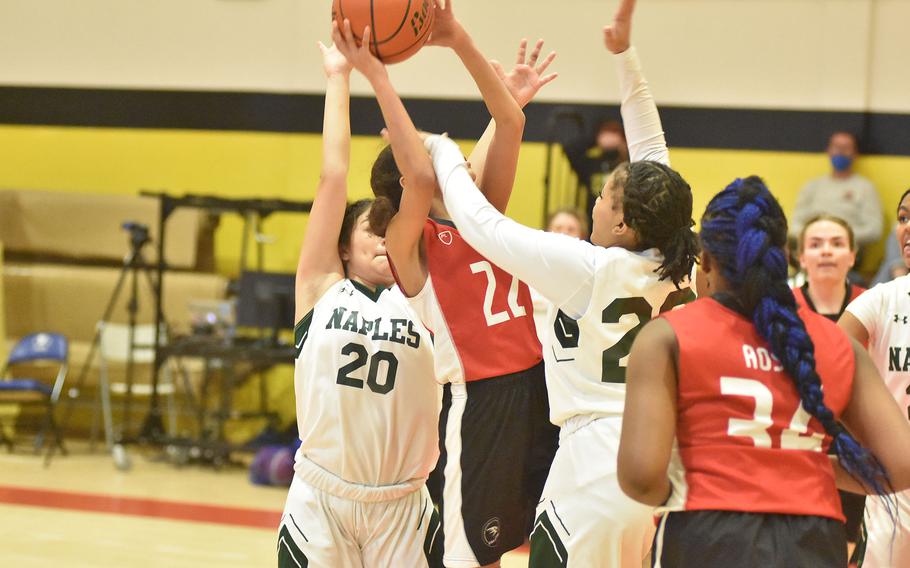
744, 441
481, 316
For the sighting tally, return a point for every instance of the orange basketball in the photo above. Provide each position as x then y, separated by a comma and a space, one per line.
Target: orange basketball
399, 27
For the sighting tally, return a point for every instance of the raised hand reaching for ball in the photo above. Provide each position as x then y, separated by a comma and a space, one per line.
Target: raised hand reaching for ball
360, 56
618, 35
526, 78
333, 61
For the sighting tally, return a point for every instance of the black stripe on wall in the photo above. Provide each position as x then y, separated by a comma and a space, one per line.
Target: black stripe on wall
686, 127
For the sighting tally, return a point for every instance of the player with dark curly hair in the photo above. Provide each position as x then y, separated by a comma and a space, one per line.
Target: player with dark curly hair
637, 265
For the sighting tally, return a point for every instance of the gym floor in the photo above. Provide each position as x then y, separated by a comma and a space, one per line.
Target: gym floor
83, 512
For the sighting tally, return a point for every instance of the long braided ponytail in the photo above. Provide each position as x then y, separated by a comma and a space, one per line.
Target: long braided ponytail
745, 230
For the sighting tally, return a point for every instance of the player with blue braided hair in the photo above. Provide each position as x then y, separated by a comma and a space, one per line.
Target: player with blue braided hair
730, 408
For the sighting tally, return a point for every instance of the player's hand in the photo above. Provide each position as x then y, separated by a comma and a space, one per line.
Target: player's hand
359, 56
618, 35
447, 30
526, 78
333, 61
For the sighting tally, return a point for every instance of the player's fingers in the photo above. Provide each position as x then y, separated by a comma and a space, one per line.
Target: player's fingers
546, 63
364, 46
624, 12
347, 33
522, 50
548, 79
337, 38
535, 53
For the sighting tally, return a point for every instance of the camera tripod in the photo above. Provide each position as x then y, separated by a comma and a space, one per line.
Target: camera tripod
133, 264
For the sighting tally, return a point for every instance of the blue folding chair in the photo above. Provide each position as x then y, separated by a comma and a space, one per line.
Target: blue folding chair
37, 348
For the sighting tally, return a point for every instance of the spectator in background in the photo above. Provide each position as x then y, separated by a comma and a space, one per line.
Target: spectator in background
827, 251
568, 221
593, 159
841, 193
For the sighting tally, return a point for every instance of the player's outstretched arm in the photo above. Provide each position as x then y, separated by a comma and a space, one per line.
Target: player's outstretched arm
560, 267
874, 418
505, 140
524, 81
853, 327
641, 121
320, 265
649, 415
405, 230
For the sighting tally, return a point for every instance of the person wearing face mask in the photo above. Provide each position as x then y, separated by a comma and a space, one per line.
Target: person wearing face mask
592, 163
842, 193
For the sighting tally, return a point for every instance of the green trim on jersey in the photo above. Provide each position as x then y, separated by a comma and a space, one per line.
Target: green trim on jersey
301, 332
547, 549
433, 541
371, 294
289, 554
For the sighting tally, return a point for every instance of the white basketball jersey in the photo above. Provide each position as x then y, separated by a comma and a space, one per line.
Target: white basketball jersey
586, 357
367, 402
885, 313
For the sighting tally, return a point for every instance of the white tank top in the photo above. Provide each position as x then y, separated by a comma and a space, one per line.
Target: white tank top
586, 357
885, 313
367, 401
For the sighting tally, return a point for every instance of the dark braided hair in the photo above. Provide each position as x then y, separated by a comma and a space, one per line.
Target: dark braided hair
745, 230
657, 204
385, 180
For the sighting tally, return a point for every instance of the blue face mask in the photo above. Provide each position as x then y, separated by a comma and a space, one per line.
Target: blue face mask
841, 163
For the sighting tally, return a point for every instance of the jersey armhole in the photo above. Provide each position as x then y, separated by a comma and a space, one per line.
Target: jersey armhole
394, 271
419, 299
301, 332
859, 308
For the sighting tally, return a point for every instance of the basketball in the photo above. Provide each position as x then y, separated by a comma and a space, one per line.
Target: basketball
399, 27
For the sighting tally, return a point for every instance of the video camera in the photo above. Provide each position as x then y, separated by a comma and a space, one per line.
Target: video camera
139, 233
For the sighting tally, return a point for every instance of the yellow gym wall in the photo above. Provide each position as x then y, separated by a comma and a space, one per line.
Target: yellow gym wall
246, 164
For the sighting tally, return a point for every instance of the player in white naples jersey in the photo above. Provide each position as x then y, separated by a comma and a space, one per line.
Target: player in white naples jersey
367, 401
637, 267
497, 441
880, 318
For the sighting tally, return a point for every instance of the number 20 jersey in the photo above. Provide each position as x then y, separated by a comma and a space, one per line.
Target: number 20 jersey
743, 440
586, 356
367, 404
